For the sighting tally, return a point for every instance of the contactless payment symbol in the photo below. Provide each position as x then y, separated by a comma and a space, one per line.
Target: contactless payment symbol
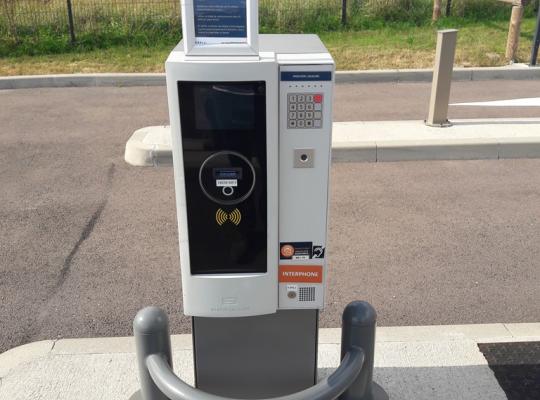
235, 216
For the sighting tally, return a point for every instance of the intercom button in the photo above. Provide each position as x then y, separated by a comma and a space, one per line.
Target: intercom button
301, 115
301, 123
309, 106
309, 114
317, 115
318, 107
309, 98
292, 123
292, 98
301, 107
317, 123
309, 123
292, 115
301, 98
317, 98
292, 107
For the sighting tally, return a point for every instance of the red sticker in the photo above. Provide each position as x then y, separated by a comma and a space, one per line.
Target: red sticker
301, 273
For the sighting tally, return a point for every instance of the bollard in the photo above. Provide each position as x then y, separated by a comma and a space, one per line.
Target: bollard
358, 330
442, 78
352, 380
151, 330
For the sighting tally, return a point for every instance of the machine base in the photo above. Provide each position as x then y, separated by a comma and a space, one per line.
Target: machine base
256, 357
378, 392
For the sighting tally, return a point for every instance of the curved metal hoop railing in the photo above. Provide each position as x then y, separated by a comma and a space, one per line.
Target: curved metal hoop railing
352, 380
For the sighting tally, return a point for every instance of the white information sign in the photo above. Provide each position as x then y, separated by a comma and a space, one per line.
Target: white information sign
220, 27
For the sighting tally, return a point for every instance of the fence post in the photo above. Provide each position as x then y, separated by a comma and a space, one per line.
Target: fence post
70, 22
513, 32
448, 7
344, 12
442, 78
536, 41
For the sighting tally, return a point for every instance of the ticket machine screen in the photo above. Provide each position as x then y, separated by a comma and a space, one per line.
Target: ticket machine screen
223, 127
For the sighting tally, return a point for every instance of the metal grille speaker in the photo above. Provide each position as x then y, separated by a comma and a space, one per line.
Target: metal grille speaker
306, 293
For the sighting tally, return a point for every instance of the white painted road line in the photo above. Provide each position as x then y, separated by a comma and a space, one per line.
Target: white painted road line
526, 102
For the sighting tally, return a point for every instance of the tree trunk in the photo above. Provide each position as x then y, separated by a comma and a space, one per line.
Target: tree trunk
436, 10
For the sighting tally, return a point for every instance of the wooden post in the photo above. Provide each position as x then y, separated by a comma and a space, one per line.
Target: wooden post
436, 10
343, 12
513, 32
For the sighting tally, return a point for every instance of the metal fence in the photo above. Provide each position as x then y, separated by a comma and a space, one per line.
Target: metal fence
30, 17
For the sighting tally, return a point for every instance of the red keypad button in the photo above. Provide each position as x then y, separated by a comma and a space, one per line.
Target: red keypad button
317, 98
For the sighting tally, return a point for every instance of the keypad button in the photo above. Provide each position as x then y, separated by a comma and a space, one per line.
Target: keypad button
317, 115
292, 115
309, 114
292, 107
292, 98
301, 115
309, 98
317, 123
301, 98
301, 107
301, 123
309, 107
318, 107
292, 123
309, 123
317, 98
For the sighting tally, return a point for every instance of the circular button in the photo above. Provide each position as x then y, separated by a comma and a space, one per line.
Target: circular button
227, 177
291, 295
227, 190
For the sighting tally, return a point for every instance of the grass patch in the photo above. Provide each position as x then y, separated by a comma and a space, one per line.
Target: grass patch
395, 46
136, 36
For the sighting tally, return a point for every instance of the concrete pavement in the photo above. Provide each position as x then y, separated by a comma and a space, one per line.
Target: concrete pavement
416, 363
382, 141
87, 240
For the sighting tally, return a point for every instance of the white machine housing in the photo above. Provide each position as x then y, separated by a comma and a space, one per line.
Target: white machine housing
298, 75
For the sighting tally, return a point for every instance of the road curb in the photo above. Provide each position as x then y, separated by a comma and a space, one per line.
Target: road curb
519, 72
467, 140
492, 333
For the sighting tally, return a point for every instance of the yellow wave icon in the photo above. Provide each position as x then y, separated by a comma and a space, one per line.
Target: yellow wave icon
235, 216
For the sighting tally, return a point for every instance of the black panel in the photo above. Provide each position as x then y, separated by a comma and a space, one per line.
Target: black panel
224, 141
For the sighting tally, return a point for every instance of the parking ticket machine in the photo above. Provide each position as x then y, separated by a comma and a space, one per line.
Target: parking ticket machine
251, 135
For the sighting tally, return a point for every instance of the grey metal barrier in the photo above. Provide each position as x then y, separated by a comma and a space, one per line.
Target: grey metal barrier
352, 380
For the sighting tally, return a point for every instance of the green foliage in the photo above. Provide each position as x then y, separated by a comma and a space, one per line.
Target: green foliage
30, 27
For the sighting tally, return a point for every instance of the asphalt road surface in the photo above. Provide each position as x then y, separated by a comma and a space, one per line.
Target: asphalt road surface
86, 240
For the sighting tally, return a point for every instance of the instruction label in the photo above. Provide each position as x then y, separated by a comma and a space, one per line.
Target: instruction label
226, 182
300, 251
296, 250
220, 19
